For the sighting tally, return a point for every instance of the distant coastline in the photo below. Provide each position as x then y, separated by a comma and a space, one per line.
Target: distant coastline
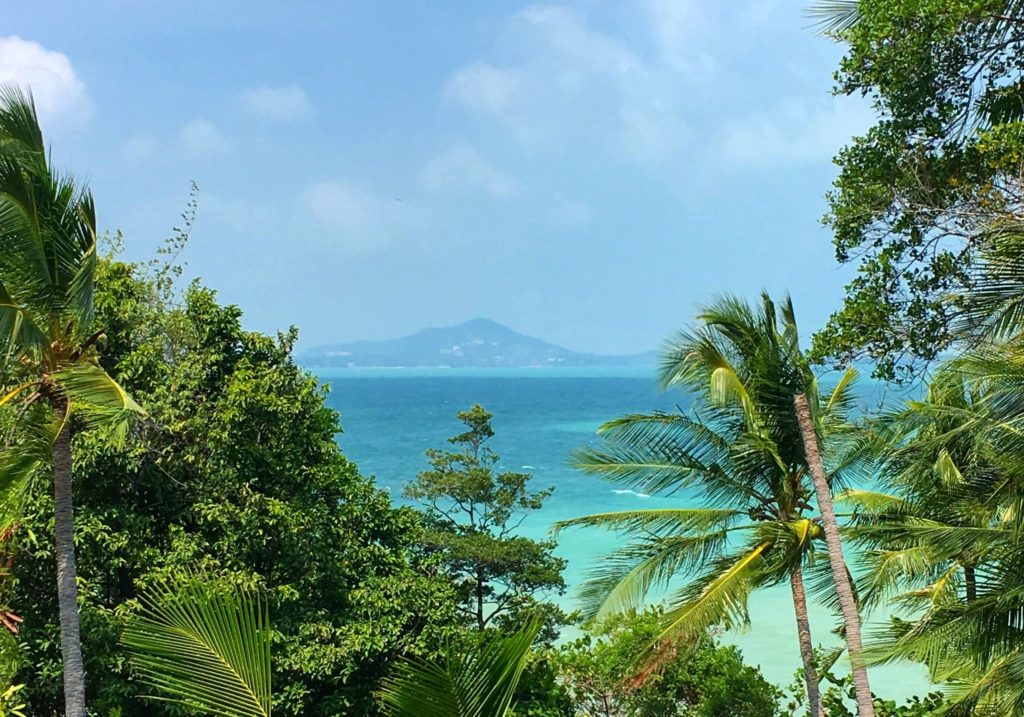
483, 372
478, 343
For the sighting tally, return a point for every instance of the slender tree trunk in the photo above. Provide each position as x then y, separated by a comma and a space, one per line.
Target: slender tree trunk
67, 575
803, 631
480, 623
844, 589
971, 583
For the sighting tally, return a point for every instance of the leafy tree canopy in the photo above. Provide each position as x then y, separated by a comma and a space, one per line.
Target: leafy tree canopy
595, 671
474, 510
934, 181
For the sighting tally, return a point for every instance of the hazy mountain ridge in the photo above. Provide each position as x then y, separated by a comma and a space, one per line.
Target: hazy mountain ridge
475, 343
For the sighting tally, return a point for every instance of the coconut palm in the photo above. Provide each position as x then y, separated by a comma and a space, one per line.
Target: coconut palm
946, 545
48, 343
942, 470
846, 598
739, 455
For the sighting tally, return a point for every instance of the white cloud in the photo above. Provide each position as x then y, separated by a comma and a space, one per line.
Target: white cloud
571, 82
795, 132
502, 94
286, 104
58, 91
201, 137
359, 220
462, 166
486, 88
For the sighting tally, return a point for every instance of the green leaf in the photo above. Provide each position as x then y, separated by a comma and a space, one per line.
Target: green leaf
205, 645
97, 398
478, 683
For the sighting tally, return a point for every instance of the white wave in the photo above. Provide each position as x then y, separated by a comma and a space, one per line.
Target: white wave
627, 491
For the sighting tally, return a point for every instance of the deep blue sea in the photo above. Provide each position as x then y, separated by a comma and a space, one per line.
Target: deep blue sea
391, 416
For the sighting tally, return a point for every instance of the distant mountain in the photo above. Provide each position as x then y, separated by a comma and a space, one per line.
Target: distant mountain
478, 343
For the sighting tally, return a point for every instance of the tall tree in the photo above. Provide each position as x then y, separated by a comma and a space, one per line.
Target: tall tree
741, 451
937, 178
48, 257
474, 510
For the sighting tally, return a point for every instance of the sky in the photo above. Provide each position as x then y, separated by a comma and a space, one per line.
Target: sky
586, 172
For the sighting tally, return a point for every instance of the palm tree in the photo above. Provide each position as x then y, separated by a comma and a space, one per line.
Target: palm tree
949, 537
47, 264
943, 470
741, 453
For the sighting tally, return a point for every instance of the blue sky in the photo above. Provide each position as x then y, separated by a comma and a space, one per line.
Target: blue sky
587, 172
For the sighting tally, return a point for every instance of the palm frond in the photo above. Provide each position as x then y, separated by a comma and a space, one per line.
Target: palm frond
834, 17
204, 645
478, 683
655, 521
18, 120
21, 460
871, 501
18, 330
719, 599
97, 399
625, 578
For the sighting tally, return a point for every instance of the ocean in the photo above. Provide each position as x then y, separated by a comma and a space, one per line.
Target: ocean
391, 417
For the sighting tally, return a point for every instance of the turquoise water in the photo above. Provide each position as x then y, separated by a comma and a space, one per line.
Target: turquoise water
391, 416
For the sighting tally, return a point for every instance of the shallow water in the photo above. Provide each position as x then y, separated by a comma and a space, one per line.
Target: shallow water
391, 416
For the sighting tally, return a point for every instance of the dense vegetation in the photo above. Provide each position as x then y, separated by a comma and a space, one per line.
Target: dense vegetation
935, 182
212, 543
235, 469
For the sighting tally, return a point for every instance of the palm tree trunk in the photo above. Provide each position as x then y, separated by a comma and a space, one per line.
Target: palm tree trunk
844, 589
67, 575
803, 631
971, 581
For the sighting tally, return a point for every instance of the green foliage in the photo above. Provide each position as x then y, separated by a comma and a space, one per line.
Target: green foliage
480, 682
945, 551
11, 704
473, 510
837, 698
205, 645
934, 181
599, 669
235, 471
940, 474
838, 693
